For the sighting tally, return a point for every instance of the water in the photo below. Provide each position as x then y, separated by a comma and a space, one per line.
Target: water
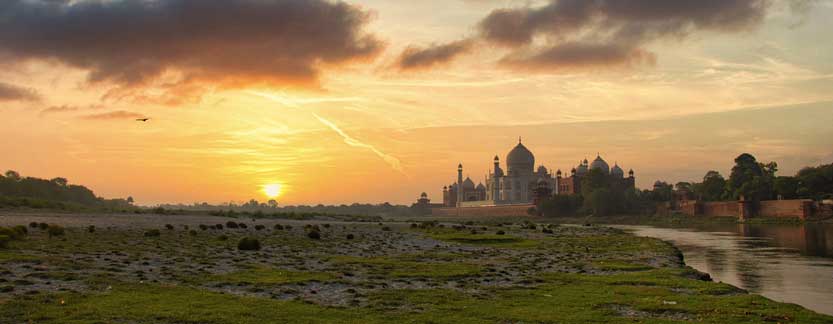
787, 263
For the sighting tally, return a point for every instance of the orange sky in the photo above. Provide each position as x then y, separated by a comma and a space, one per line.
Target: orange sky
358, 127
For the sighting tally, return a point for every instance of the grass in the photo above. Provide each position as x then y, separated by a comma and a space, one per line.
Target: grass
655, 296
269, 276
490, 240
405, 268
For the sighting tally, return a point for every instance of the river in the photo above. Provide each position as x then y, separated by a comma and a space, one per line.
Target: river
786, 263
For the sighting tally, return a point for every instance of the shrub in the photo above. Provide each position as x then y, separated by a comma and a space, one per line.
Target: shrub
288, 227
4, 241
500, 232
193, 232
91, 228
231, 224
546, 231
33, 225
43, 226
55, 230
21, 229
152, 233
350, 236
326, 225
219, 227
223, 237
279, 227
315, 235
248, 244
386, 229
242, 225
203, 227
169, 226
259, 227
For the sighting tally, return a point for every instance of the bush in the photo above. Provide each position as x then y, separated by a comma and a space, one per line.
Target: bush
152, 233
55, 230
231, 224
500, 232
21, 229
43, 226
350, 236
386, 229
223, 237
242, 225
546, 231
315, 235
193, 232
219, 227
203, 227
169, 226
260, 227
33, 225
248, 244
4, 241
278, 227
288, 227
326, 225
91, 229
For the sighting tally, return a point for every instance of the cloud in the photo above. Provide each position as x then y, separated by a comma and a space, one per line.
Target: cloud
581, 56
390, 160
119, 114
568, 35
413, 57
59, 109
10, 92
187, 46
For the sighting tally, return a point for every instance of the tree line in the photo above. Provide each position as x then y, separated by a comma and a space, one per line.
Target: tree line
602, 194
56, 193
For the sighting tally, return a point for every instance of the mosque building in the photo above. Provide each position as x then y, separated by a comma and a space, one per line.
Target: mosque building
522, 183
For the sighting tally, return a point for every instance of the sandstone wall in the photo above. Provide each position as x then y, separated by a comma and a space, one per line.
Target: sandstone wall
720, 208
801, 208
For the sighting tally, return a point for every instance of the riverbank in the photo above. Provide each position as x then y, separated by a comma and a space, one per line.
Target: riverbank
358, 272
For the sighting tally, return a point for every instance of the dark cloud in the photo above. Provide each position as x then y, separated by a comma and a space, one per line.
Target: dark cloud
133, 43
119, 114
59, 109
418, 58
581, 33
566, 35
10, 92
581, 56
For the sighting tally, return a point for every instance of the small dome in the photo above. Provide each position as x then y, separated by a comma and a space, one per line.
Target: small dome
468, 184
630, 173
600, 164
582, 168
616, 171
542, 170
558, 172
520, 160
480, 186
423, 195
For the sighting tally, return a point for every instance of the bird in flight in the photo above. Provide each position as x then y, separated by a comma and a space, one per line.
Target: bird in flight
142, 119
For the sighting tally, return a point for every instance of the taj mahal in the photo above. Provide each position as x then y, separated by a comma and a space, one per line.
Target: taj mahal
522, 183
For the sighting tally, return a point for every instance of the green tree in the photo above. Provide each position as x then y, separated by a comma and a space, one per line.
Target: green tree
713, 187
13, 175
786, 187
601, 202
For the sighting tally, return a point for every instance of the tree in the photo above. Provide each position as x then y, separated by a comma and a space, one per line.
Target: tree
601, 202
713, 187
13, 175
815, 182
61, 182
751, 179
786, 187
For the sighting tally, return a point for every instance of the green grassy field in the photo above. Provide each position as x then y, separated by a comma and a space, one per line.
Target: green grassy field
393, 272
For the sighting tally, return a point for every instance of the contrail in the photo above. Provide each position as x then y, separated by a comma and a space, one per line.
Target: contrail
392, 161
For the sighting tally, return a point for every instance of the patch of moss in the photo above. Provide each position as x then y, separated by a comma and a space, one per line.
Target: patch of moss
405, 268
270, 276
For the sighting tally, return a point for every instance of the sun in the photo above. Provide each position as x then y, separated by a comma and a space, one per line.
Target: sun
272, 190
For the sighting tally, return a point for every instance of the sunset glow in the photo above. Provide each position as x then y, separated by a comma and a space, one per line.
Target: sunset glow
387, 108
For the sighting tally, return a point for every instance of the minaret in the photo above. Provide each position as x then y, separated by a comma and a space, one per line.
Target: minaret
459, 185
496, 181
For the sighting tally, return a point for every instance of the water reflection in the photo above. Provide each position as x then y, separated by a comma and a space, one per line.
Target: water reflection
789, 263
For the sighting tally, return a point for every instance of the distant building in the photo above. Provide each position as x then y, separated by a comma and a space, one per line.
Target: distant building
522, 183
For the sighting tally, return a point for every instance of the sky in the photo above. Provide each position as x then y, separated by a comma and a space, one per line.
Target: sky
377, 101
